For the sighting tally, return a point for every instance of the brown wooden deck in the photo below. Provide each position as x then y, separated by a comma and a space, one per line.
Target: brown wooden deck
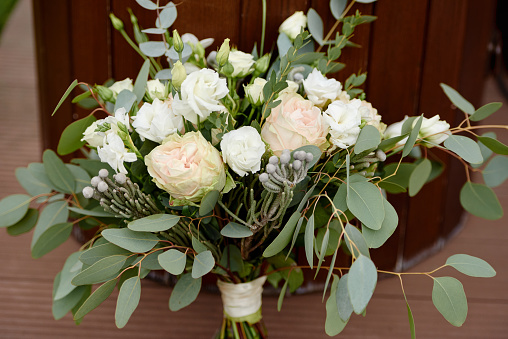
26, 284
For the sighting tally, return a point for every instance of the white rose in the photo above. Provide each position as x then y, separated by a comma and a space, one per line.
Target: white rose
242, 150
201, 92
96, 138
321, 90
242, 63
114, 152
254, 91
370, 116
156, 121
156, 90
344, 120
119, 86
433, 130
291, 89
292, 25
395, 129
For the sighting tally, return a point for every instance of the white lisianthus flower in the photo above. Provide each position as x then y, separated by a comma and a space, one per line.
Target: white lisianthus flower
156, 90
242, 63
201, 92
242, 150
293, 25
370, 116
119, 86
321, 90
114, 152
156, 121
95, 138
344, 120
433, 130
254, 91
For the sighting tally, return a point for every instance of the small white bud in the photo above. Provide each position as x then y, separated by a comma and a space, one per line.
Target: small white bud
380, 155
263, 177
297, 164
270, 168
120, 178
88, 192
95, 181
102, 187
273, 160
285, 157
299, 155
103, 173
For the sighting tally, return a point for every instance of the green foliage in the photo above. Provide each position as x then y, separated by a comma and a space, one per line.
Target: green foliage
208, 202
281, 295
471, 266
493, 144
140, 84
485, 111
128, 300
355, 241
419, 176
361, 283
54, 213
344, 306
368, 139
412, 137
481, 201
59, 175
154, 223
464, 147
98, 252
203, 263
101, 271
30, 183
70, 269
337, 7
333, 323
185, 292
66, 94
309, 240
125, 99
136, 242
365, 201
53, 237
284, 237
457, 99
70, 140
376, 239
96, 298
450, 300
173, 261
496, 171
26, 224
315, 24
236, 230
13, 208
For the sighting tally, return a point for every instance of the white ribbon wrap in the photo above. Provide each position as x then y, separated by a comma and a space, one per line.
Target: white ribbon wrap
243, 299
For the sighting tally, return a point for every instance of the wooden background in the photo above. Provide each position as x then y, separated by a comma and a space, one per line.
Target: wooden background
407, 52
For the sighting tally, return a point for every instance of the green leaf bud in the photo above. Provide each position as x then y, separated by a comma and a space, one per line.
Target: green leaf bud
223, 53
177, 42
117, 23
178, 74
105, 93
262, 64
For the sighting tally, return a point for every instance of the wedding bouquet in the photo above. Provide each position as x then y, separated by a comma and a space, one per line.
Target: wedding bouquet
226, 163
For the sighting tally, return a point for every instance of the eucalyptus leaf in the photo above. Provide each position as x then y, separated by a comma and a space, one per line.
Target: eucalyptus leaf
337, 7
208, 202
128, 300
147, 4
125, 99
355, 241
365, 201
281, 295
96, 298
70, 140
173, 261
410, 318
315, 25
322, 251
485, 111
376, 239
25, 224
13, 208
283, 44
154, 30
62, 306
464, 147
450, 300
164, 74
54, 213
368, 139
365, 1
140, 84
101, 271
154, 223
98, 252
235, 230
496, 171
343, 301
203, 263
284, 237
419, 176
481, 201
70, 269
136, 242
408, 146
51, 238
361, 283
309, 240
93, 213
59, 175
340, 198
333, 323
471, 266
457, 99
185, 292
232, 259
167, 16
153, 48
81, 177
494, 145
65, 95
30, 183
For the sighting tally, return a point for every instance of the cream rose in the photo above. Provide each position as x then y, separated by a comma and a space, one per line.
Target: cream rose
295, 122
254, 91
370, 116
344, 120
291, 89
242, 150
293, 25
242, 63
187, 167
434, 131
119, 86
156, 90
321, 90
201, 92
156, 121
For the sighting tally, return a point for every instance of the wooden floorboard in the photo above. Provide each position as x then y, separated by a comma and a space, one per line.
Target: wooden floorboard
26, 284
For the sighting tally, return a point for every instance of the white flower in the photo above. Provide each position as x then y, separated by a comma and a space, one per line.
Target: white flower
292, 25
242, 63
119, 86
291, 89
254, 91
433, 130
191, 39
114, 153
320, 89
156, 89
96, 138
201, 92
395, 130
190, 68
370, 116
344, 120
242, 150
156, 121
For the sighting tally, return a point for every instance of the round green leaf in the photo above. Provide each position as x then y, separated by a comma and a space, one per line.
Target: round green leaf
136, 242
26, 224
71, 268
96, 298
13, 208
203, 263
457, 99
315, 24
361, 283
494, 145
80, 176
337, 7
31, 184
343, 302
377, 238
355, 241
70, 140
153, 48
54, 213
471, 266
185, 292
154, 223
485, 111
59, 175
208, 202
333, 323
481, 201
126, 98
53, 237
365, 201
465, 148
128, 300
103, 270
235, 230
496, 171
62, 306
173, 261
369, 138
450, 300
419, 176
167, 16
